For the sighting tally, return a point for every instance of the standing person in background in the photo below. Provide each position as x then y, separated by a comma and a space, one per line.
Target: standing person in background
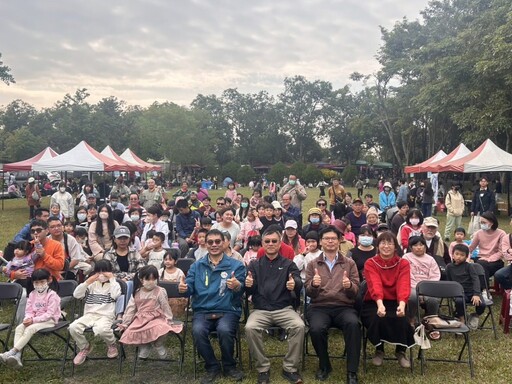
33, 195
387, 199
65, 201
359, 186
336, 193
297, 194
151, 196
483, 199
454, 209
428, 200
403, 191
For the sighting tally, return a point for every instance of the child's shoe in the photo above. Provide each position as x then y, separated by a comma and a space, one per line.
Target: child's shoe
82, 355
144, 351
112, 351
4, 356
161, 350
15, 360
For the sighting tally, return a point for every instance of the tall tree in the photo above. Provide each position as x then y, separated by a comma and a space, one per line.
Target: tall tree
5, 73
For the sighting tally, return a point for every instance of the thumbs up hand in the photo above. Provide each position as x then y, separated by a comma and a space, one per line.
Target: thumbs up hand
182, 286
249, 281
290, 284
232, 282
346, 281
317, 280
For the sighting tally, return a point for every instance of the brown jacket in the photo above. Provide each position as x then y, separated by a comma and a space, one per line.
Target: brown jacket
331, 291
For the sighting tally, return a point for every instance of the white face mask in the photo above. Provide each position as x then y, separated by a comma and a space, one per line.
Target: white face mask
134, 218
102, 278
103, 215
41, 288
149, 284
81, 216
366, 241
414, 221
485, 227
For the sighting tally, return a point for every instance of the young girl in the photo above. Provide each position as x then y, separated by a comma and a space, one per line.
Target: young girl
69, 228
250, 226
243, 211
311, 252
148, 316
231, 192
255, 199
253, 245
170, 272
23, 260
348, 234
460, 238
100, 291
412, 227
42, 311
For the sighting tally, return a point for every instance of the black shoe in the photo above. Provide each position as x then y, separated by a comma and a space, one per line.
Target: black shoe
210, 377
352, 378
234, 374
264, 377
323, 374
293, 377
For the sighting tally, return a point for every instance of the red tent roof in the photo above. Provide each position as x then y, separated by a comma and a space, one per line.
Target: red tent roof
421, 167
109, 152
454, 155
131, 157
26, 165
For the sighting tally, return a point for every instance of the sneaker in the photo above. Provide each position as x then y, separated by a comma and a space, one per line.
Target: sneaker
473, 321
292, 377
144, 351
112, 351
81, 356
210, 377
15, 360
4, 356
264, 377
161, 351
378, 358
234, 374
402, 360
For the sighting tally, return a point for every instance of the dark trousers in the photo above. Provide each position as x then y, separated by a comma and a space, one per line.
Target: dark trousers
490, 268
459, 306
504, 277
226, 328
33, 209
345, 318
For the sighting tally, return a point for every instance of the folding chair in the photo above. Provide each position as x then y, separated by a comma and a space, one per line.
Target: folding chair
122, 353
488, 303
172, 292
9, 293
305, 351
66, 289
213, 335
184, 264
447, 290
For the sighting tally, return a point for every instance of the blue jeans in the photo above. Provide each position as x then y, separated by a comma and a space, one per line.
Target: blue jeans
504, 277
226, 328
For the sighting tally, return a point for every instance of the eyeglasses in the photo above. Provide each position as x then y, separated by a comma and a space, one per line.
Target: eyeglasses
36, 230
216, 242
329, 238
321, 205
268, 241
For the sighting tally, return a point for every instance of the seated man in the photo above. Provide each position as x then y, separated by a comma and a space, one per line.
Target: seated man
332, 283
274, 283
215, 283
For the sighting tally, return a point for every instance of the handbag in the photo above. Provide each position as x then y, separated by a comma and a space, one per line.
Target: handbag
439, 321
35, 195
420, 337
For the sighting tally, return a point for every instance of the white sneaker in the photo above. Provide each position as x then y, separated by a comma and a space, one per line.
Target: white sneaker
144, 351
473, 322
15, 360
162, 351
4, 356
487, 297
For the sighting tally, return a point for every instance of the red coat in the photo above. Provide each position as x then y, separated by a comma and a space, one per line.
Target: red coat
388, 279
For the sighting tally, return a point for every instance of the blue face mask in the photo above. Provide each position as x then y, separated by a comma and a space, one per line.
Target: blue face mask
244, 205
366, 241
314, 220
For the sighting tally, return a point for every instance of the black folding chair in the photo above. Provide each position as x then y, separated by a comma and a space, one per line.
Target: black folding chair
488, 303
446, 290
10, 295
66, 289
184, 264
172, 292
122, 353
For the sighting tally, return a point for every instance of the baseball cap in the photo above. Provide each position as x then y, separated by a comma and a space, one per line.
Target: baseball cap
276, 205
121, 231
290, 224
31, 180
430, 222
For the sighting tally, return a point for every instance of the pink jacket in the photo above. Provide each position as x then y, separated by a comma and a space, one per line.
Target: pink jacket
43, 307
422, 268
493, 245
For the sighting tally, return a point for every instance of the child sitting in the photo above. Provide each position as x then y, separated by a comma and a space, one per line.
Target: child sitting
311, 252
268, 219
460, 235
255, 199
148, 317
42, 311
69, 228
253, 245
463, 272
156, 254
23, 261
201, 250
170, 272
100, 291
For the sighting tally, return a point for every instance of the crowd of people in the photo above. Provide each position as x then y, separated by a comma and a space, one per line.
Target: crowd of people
355, 261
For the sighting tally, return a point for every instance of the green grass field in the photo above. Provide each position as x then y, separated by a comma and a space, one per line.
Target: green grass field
492, 363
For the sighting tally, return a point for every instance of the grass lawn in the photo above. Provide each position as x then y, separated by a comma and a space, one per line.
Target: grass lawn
492, 363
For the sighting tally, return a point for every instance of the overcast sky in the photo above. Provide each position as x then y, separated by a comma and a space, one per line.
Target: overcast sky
170, 50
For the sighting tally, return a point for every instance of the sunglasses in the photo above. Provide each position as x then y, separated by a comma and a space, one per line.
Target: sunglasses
36, 230
321, 204
216, 242
268, 241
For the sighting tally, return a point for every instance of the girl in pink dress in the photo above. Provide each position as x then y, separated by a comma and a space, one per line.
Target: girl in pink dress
148, 317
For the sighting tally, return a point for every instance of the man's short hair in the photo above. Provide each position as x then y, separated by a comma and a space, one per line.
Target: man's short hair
39, 223
329, 229
273, 229
160, 235
215, 232
461, 248
182, 204
401, 203
39, 211
54, 218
